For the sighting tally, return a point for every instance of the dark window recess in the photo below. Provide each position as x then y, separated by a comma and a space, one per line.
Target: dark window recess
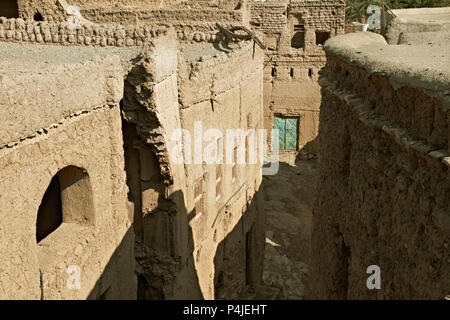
322, 36
298, 40
274, 72
50, 211
292, 72
310, 73
9, 9
38, 17
68, 198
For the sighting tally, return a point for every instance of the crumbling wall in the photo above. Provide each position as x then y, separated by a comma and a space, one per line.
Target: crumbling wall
194, 20
384, 178
416, 21
223, 91
177, 246
101, 35
176, 255
150, 108
294, 58
57, 115
134, 12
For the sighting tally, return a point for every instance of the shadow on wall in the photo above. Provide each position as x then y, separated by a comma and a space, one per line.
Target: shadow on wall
155, 271
160, 238
239, 256
237, 265
310, 150
163, 242
112, 285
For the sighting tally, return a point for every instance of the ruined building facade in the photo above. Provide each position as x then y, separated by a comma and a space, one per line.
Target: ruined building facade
95, 202
294, 33
384, 185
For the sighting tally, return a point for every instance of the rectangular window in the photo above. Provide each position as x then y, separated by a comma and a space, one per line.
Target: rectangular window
298, 40
321, 37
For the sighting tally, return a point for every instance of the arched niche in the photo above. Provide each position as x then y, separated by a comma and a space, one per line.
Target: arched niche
68, 199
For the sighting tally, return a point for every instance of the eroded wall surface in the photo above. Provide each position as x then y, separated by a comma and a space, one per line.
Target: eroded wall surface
63, 114
178, 249
384, 177
223, 91
194, 20
198, 237
293, 32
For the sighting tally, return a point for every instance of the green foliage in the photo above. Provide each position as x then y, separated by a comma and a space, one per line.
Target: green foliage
356, 9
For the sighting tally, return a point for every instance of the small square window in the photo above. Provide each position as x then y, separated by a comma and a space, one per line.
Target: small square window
298, 40
322, 36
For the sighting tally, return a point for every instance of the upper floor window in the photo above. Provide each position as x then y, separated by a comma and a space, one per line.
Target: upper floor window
298, 40
322, 36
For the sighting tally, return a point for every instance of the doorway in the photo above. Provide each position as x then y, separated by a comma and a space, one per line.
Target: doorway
288, 132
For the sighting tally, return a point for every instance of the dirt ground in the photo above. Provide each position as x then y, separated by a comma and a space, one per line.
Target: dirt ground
289, 199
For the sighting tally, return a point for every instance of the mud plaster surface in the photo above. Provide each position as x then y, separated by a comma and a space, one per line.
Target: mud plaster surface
19, 58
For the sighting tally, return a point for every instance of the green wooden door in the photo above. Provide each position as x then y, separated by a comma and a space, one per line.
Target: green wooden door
288, 128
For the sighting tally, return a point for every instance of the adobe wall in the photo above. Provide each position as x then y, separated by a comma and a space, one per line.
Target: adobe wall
169, 230
417, 21
224, 91
96, 35
168, 245
384, 177
60, 112
136, 12
290, 74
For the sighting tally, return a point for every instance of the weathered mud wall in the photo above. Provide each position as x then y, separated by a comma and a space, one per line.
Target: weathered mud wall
180, 249
101, 35
417, 21
62, 119
292, 33
192, 14
180, 252
384, 177
223, 91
